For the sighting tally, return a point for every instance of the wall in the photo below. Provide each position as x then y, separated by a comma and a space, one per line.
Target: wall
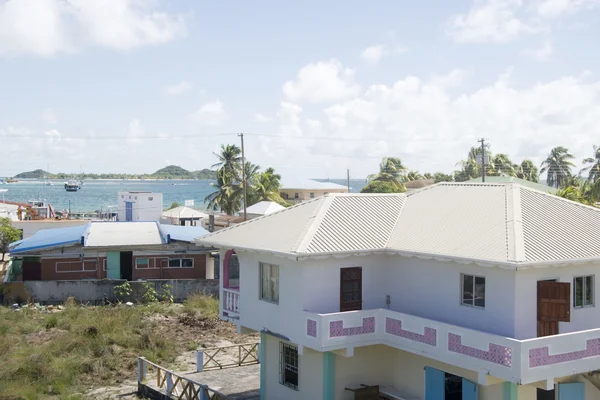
31, 227
305, 194
526, 299
162, 271
425, 288
143, 209
93, 290
310, 374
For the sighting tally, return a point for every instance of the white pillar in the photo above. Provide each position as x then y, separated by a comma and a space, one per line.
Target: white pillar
210, 267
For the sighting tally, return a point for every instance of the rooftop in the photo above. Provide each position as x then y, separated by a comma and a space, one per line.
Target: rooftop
264, 208
184, 212
309, 184
511, 179
499, 223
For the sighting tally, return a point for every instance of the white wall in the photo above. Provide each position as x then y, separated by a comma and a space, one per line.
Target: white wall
143, 209
310, 374
526, 299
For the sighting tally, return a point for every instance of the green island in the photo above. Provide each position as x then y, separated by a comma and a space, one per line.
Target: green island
168, 172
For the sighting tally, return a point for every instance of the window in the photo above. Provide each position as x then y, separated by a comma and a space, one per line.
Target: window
269, 282
312, 195
296, 195
583, 291
181, 263
288, 365
150, 198
326, 193
142, 263
76, 266
473, 291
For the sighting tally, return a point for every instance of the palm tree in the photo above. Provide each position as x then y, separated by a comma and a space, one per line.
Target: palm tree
593, 168
502, 165
527, 170
558, 165
228, 194
229, 157
266, 185
413, 175
391, 170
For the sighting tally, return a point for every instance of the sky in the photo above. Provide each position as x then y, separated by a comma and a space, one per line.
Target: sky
316, 87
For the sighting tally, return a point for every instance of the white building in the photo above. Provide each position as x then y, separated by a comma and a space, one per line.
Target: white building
296, 190
9, 211
455, 291
263, 208
139, 206
184, 216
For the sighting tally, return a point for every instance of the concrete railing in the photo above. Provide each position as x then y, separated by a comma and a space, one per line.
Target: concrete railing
518, 361
231, 301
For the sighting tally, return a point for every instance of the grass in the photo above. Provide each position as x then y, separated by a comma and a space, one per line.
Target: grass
54, 355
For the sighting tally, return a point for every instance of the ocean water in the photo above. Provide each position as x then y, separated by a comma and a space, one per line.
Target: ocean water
102, 194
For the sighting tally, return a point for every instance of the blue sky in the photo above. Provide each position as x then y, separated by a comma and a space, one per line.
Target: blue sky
117, 85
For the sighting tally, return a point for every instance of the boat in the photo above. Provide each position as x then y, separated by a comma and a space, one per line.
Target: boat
11, 180
48, 183
42, 208
72, 185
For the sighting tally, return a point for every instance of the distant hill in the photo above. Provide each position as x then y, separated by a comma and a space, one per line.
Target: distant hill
168, 172
35, 174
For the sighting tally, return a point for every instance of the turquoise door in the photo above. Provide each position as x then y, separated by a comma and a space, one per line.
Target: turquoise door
571, 391
113, 265
434, 384
469, 390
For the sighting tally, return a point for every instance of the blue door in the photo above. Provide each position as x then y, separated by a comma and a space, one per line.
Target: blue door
571, 391
434, 384
469, 390
128, 211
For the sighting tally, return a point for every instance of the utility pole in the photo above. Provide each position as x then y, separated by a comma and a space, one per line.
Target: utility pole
241, 135
348, 178
482, 141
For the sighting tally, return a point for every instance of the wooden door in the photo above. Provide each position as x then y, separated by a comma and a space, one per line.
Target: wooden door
350, 289
553, 306
32, 270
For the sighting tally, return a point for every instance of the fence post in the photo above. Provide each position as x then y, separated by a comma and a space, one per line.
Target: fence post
141, 369
258, 353
199, 361
204, 392
169, 382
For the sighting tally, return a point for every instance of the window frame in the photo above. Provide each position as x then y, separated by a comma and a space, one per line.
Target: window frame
462, 291
312, 195
138, 263
261, 266
283, 365
180, 262
591, 303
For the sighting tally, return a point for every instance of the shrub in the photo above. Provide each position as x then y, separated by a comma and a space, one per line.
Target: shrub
149, 293
167, 293
208, 306
123, 291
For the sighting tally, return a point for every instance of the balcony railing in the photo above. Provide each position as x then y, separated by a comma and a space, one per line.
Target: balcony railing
519, 361
231, 301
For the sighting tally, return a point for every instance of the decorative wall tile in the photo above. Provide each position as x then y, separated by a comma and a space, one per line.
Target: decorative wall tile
394, 327
496, 354
336, 328
540, 356
311, 327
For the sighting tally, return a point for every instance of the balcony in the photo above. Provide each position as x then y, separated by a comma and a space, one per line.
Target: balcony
518, 361
231, 302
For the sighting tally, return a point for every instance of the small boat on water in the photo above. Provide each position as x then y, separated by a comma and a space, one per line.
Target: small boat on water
73, 185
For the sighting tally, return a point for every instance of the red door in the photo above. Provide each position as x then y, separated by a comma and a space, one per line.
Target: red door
351, 289
553, 306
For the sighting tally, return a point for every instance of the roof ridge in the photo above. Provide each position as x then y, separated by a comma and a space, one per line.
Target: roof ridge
312, 225
515, 239
385, 247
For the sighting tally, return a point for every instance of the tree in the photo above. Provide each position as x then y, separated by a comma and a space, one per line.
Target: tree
502, 165
593, 168
230, 157
376, 186
527, 170
413, 175
441, 177
266, 185
558, 165
571, 193
8, 234
470, 169
228, 194
391, 170
173, 205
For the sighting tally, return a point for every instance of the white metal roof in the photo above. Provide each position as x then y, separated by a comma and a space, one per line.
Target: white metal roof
309, 184
264, 208
184, 212
491, 222
101, 234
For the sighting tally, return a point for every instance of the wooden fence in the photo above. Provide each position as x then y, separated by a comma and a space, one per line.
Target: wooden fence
246, 354
173, 385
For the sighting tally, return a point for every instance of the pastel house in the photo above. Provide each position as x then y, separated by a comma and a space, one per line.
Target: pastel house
455, 291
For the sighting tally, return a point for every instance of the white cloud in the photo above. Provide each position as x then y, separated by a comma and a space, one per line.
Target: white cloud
549, 9
543, 53
373, 54
49, 27
452, 79
178, 88
49, 116
211, 114
135, 131
261, 118
323, 81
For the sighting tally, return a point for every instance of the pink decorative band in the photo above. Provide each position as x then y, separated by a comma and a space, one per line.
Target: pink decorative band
394, 327
311, 327
540, 357
336, 328
496, 354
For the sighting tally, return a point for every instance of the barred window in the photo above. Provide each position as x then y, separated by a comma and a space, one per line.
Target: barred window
288, 365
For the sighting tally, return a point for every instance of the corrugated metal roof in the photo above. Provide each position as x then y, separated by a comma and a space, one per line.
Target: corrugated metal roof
512, 179
308, 184
103, 234
502, 222
184, 212
48, 238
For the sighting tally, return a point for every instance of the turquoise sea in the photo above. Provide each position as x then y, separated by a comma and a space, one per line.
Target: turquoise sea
102, 194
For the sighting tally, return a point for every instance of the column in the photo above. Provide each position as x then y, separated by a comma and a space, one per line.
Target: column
328, 376
511, 391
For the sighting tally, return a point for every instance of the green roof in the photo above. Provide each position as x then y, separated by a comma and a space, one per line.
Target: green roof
508, 179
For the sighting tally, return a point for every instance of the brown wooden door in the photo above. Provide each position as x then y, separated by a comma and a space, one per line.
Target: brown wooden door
32, 270
553, 306
351, 289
